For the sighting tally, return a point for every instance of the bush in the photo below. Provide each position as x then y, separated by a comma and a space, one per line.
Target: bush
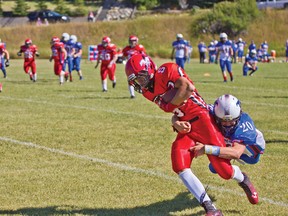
232, 18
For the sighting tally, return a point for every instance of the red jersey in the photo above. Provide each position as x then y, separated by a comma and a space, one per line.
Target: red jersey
29, 52
57, 53
164, 79
2, 48
106, 54
129, 51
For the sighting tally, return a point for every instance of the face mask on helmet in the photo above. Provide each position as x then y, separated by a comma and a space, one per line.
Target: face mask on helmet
227, 110
133, 40
252, 53
140, 71
223, 37
105, 41
28, 42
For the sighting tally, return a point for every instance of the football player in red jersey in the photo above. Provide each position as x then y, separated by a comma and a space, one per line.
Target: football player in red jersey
4, 54
59, 54
132, 49
107, 54
29, 50
188, 105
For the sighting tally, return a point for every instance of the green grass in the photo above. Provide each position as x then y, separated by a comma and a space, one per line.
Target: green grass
73, 150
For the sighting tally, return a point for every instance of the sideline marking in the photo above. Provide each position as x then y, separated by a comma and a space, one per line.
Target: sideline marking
125, 167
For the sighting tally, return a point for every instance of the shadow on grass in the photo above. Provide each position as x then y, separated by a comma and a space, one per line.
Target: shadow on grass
283, 97
179, 203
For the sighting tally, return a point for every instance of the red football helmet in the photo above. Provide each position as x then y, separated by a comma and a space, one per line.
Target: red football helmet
28, 42
54, 40
140, 71
132, 39
105, 41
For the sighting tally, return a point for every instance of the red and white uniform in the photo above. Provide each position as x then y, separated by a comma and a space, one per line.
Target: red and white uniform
2, 55
29, 57
58, 57
106, 55
203, 127
129, 51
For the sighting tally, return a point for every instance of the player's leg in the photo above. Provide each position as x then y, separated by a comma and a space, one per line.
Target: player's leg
70, 67
229, 69
245, 70
2, 66
33, 69
222, 67
78, 69
253, 71
131, 91
104, 73
181, 160
111, 74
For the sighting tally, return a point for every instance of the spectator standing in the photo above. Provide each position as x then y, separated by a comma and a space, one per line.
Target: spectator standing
240, 51
212, 52
30, 51
179, 47
107, 54
202, 52
235, 49
132, 49
91, 17
189, 51
225, 51
252, 46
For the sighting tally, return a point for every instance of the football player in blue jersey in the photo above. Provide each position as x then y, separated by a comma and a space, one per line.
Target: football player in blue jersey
244, 142
240, 51
212, 52
68, 45
180, 50
202, 52
77, 55
250, 64
225, 51
252, 46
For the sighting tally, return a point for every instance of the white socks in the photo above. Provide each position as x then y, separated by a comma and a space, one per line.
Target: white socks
194, 185
104, 84
131, 90
238, 176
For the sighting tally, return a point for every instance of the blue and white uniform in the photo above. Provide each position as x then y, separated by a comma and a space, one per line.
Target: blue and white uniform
249, 60
212, 53
68, 45
225, 55
77, 60
252, 46
180, 47
245, 133
241, 45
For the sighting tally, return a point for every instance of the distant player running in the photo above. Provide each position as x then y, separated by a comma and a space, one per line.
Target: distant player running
30, 51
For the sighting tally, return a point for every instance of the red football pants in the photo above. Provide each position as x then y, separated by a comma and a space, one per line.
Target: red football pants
203, 130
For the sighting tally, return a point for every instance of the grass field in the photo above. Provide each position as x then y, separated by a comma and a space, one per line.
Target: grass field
73, 150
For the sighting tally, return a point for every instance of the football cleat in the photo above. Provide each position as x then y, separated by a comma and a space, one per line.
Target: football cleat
249, 189
210, 209
114, 84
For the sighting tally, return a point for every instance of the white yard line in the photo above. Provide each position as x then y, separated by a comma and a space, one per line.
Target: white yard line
128, 168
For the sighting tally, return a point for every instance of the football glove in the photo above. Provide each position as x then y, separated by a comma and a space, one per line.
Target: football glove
37, 54
7, 63
19, 53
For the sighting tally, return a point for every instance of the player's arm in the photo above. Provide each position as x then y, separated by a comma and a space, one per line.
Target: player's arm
185, 89
19, 53
217, 55
63, 50
78, 54
98, 60
172, 54
234, 152
113, 61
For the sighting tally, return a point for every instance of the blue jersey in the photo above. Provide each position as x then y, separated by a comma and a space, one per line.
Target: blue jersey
77, 47
69, 45
224, 50
245, 133
252, 46
251, 60
179, 46
202, 47
212, 49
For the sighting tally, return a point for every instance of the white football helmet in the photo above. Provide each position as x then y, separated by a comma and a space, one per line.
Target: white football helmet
65, 36
223, 37
227, 109
179, 36
73, 38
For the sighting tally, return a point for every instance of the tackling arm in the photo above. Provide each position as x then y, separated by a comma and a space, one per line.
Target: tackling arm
185, 89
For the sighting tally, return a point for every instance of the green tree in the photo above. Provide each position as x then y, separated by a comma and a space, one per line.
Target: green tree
61, 7
41, 5
232, 18
145, 4
1, 10
21, 8
81, 9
